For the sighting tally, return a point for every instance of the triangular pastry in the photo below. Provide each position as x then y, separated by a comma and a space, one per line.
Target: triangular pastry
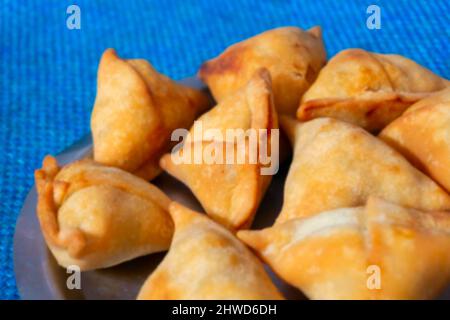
380, 251
135, 112
206, 261
230, 192
95, 216
292, 56
367, 89
422, 135
337, 164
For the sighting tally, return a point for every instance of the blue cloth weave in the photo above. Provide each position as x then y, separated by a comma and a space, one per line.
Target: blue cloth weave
48, 72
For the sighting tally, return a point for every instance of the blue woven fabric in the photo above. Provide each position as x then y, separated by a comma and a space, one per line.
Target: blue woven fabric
48, 72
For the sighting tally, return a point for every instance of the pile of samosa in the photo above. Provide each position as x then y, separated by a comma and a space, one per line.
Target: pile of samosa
366, 195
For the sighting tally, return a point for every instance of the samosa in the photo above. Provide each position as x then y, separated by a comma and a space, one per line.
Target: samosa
230, 189
422, 135
293, 57
337, 164
95, 216
205, 262
368, 89
135, 112
380, 251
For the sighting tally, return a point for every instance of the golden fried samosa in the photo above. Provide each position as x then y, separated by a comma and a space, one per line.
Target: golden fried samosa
135, 112
206, 261
367, 89
337, 164
293, 57
230, 191
380, 251
422, 135
95, 216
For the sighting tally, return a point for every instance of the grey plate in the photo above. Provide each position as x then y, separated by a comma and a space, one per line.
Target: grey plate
38, 276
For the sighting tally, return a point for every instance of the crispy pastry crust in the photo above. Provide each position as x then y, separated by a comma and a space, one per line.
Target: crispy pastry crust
206, 261
292, 56
95, 216
230, 193
135, 112
337, 164
337, 254
422, 135
367, 89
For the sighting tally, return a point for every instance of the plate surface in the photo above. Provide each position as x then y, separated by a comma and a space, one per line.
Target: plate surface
38, 276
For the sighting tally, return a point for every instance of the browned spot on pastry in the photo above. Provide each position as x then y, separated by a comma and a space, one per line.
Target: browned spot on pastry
371, 111
230, 60
306, 110
310, 75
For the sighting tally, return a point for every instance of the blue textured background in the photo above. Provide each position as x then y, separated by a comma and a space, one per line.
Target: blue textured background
48, 73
